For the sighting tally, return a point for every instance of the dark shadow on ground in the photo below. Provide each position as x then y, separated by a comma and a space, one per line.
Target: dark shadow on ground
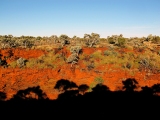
76, 103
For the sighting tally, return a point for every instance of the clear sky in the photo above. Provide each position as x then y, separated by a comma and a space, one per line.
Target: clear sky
77, 17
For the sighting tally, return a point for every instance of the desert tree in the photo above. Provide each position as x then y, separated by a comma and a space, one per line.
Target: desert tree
154, 39
76, 49
54, 38
121, 42
73, 58
91, 40
6, 41
117, 40
64, 39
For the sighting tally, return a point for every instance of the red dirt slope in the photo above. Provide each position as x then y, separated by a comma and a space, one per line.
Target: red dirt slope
12, 80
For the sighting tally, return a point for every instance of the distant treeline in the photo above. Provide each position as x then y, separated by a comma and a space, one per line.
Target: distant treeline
10, 41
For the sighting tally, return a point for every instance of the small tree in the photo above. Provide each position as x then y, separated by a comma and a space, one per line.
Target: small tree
64, 39
92, 39
27, 43
111, 40
73, 59
150, 37
54, 38
156, 40
118, 40
76, 49
121, 42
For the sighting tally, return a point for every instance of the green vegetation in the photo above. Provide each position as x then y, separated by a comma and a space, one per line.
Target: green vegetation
91, 40
64, 39
97, 80
124, 53
121, 42
21, 62
73, 58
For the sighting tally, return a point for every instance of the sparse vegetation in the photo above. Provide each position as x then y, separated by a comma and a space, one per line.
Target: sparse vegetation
115, 54
91, 40
74, 57
93, 60
97, 80
21, 62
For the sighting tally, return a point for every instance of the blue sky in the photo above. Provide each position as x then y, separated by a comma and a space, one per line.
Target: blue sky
77, 17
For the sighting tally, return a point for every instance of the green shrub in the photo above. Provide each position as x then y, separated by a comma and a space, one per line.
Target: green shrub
46, 61
156, 40
91, 66
31, 63
98, 80
107, 53
127, 65
121, 42
21, 62
97, 54
111, 40
13, 64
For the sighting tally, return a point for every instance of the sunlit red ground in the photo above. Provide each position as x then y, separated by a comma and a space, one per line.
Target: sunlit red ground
14, 79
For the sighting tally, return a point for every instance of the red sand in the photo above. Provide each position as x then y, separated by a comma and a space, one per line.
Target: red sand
12, 80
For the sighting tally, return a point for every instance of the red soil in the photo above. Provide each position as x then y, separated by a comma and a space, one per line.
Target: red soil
12, 54
12, 80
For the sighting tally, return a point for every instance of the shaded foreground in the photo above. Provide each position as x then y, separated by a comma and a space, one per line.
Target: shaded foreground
75, 102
